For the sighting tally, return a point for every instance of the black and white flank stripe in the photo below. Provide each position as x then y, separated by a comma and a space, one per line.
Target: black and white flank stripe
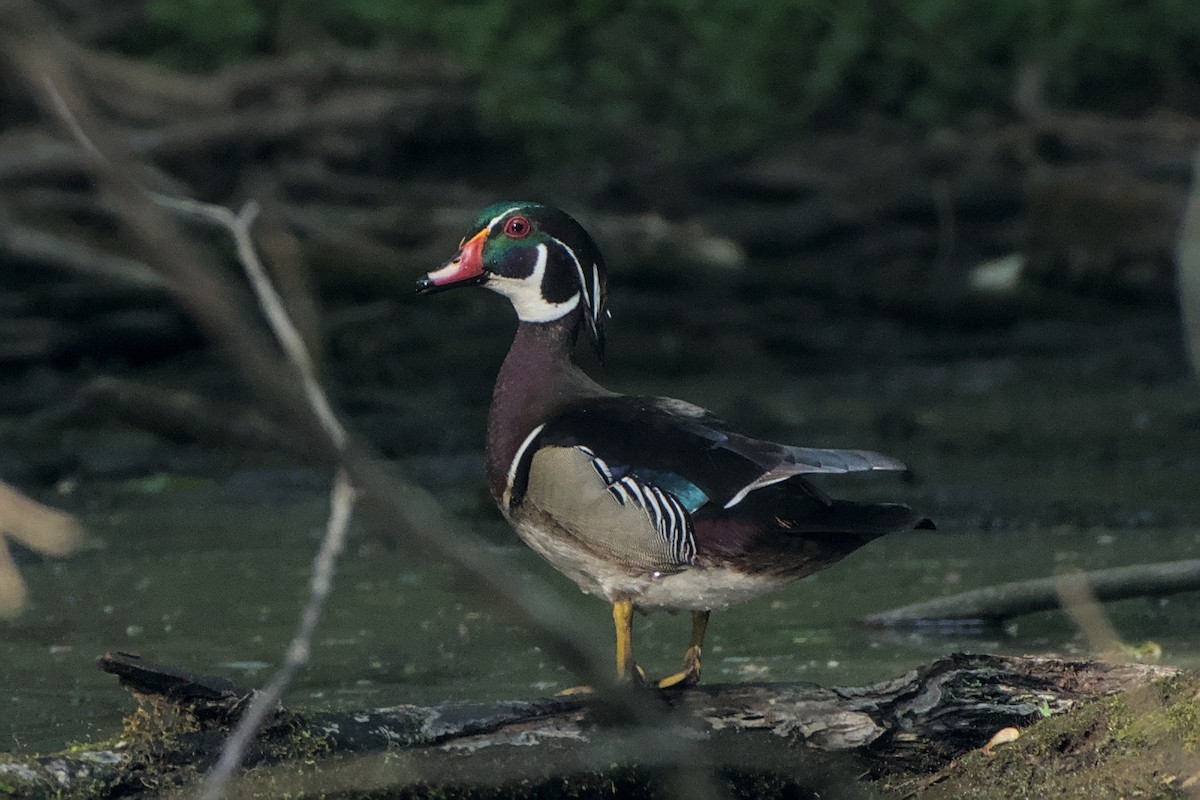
666, 512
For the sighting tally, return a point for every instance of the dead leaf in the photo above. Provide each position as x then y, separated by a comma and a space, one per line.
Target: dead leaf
1002, 736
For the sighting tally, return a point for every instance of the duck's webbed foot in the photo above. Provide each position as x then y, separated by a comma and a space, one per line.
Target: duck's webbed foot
628, 670
633, 674
690, 674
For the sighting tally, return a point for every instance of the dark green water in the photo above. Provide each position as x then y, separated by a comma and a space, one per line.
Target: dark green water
1046, 447
191, 579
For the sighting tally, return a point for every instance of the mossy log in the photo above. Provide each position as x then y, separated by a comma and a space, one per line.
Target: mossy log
767, 738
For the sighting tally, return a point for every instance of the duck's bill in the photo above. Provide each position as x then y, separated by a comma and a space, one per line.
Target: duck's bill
429, 285
465, 269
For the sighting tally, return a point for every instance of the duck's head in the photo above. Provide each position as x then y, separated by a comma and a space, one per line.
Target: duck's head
538, 257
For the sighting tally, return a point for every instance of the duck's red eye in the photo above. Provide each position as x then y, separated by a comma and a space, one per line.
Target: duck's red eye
517, 228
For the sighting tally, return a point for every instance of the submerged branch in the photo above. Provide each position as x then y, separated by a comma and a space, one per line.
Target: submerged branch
994, 604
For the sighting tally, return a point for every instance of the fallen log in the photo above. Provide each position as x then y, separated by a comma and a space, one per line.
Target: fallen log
753, 735
993, 605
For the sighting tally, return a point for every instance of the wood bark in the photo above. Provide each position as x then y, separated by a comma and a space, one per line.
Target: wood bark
746, 732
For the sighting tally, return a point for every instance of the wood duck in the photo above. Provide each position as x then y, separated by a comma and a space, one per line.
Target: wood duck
649, 502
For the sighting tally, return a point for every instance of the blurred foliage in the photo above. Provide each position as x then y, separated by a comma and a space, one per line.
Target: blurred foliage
686, 75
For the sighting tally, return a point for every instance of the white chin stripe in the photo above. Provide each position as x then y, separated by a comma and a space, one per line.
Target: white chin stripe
526, 293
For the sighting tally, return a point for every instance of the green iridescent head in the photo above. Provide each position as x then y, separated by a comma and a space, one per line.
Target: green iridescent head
538, 257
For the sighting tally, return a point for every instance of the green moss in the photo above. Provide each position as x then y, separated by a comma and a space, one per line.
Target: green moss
1137, 743
1183, 714
157, 724
300, 745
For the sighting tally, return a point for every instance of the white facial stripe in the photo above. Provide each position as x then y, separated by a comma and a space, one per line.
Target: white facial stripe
526, 293
592, 297
516, 462
583, 282
499, 217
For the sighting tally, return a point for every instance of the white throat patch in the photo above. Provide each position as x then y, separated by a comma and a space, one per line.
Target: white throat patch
526, 293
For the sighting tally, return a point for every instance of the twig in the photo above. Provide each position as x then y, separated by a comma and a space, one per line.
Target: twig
210, 299
342, 499
1079, 602
269, 300
399, 109
174, 413
342, 496
943, 203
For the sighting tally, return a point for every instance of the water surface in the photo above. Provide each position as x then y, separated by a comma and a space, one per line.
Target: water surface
210, 583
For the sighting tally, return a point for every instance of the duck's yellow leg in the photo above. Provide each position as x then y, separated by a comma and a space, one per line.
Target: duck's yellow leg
627, 668
690, 674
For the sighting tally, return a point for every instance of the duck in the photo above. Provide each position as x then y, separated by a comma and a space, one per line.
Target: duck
650, 503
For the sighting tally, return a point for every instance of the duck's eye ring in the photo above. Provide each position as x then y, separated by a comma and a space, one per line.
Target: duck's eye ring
517, 228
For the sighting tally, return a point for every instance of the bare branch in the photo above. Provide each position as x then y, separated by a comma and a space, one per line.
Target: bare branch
341, 499
211, 300
343, 494
341, 502
285, 331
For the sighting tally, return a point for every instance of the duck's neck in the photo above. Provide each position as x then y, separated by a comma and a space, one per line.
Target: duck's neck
536, 380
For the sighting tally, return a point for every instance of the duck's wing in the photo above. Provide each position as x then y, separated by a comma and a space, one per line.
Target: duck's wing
689, 452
